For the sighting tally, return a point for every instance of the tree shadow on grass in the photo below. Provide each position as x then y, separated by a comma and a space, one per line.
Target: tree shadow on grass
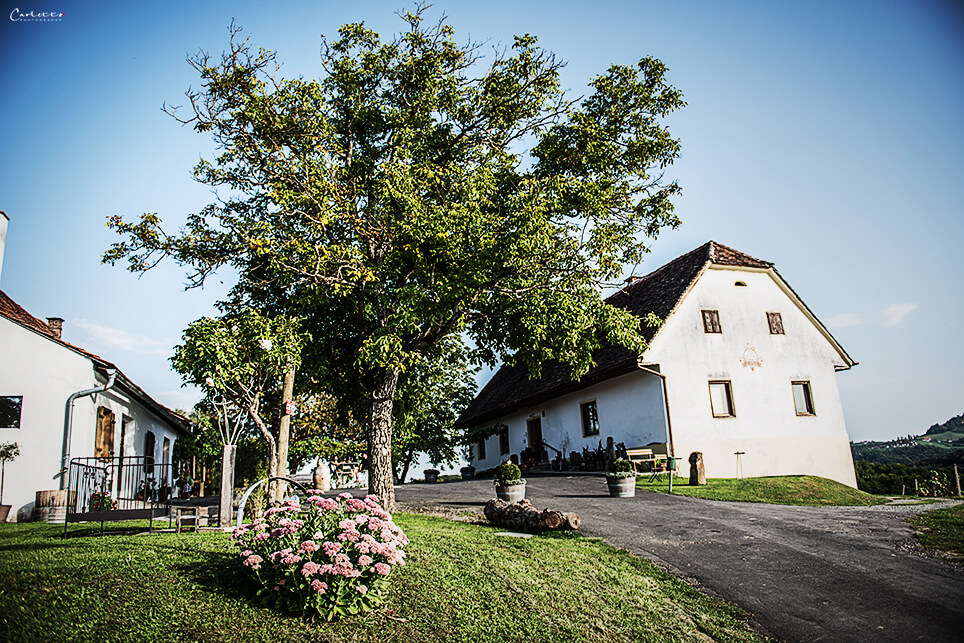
220, 572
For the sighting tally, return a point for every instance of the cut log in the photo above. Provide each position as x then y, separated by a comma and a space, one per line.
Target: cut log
524, 516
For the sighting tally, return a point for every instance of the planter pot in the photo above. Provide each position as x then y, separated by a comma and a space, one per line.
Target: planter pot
468, 473
621, 487
511, 492
4, 511
431, 476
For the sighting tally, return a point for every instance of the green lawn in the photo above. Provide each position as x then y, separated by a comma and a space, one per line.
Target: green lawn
942, 530
462, 583
780, 490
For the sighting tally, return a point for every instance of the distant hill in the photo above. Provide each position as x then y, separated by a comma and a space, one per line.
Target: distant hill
940, 446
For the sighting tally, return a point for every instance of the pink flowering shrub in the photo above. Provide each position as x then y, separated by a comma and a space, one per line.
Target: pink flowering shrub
331, 557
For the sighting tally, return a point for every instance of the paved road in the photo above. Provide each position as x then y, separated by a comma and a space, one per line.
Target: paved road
806, 573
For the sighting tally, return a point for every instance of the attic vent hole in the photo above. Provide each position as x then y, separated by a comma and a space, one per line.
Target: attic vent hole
740, 283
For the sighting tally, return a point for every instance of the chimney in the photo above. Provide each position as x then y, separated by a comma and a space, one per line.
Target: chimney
56, 325
3, 235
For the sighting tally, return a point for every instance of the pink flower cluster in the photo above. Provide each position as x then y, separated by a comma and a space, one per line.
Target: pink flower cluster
319, 550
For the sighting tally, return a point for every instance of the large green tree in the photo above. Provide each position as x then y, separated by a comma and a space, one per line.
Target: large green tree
420, 189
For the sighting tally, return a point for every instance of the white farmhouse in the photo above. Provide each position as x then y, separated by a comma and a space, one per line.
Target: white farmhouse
740, 365
50, 389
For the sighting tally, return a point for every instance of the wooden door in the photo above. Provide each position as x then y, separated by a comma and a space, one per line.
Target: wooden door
534, 428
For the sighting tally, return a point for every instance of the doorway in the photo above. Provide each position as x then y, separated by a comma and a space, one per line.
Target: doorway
534, 430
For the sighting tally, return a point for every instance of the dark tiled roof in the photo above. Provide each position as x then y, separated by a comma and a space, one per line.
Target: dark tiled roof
17, 314
658, 292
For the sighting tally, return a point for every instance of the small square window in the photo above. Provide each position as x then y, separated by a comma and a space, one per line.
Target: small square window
721, 399
775, 320
590, 418
711, 321
504, 441
10, 407
802, 398
481, 449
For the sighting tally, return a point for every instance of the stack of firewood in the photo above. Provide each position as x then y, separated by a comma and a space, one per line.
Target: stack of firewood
524, 516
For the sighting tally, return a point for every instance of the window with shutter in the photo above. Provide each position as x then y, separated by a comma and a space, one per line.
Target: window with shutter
104, 437
711, 321
775, 321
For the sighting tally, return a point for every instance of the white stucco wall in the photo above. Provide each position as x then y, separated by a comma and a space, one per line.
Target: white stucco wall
776, 441
45, 374
630, 409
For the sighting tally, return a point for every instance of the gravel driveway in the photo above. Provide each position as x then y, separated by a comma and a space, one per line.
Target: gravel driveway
806, 573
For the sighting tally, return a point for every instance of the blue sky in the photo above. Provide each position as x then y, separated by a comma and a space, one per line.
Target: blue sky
826, 137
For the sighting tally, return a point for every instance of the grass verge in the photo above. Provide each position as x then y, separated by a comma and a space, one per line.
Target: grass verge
810, 491
462, 583
942, 530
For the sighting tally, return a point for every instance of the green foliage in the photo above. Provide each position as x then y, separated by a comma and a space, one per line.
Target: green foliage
430, 398
325, 427
620, 465
9, 451
810, 491
953, 425
239, 353
895, 478
507, 473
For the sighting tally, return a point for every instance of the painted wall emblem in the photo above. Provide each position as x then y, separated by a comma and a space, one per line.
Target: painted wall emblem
751, 358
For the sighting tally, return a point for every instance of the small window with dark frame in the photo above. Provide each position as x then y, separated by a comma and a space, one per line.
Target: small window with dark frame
504, 441
482, 449
721, 399
711, 321
775, 320
590, 418
149, 446
10, 408
802, 398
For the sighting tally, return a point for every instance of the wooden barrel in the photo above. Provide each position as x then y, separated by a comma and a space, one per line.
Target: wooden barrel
51, 506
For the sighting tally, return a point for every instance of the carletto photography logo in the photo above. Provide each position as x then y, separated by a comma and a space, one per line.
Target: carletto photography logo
23, 15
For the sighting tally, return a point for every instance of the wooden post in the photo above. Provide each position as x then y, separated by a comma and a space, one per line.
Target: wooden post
227, 484
957, 479
284, 431
916, 488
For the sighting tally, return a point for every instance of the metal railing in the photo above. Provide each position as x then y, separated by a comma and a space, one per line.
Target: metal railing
113, 489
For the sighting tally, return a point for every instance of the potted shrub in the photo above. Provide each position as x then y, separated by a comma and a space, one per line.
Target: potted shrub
468, 473
8, 452
431, 475
621, 479
509, 483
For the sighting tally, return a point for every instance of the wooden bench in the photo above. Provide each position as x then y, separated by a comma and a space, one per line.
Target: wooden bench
642, 459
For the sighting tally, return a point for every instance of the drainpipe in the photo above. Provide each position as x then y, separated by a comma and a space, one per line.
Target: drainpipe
68, 420
669, 423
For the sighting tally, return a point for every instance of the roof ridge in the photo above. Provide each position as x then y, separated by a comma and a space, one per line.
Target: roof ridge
722, 254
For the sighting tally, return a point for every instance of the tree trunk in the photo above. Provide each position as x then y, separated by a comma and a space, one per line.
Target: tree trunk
284, 430
380, 480
227, 484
